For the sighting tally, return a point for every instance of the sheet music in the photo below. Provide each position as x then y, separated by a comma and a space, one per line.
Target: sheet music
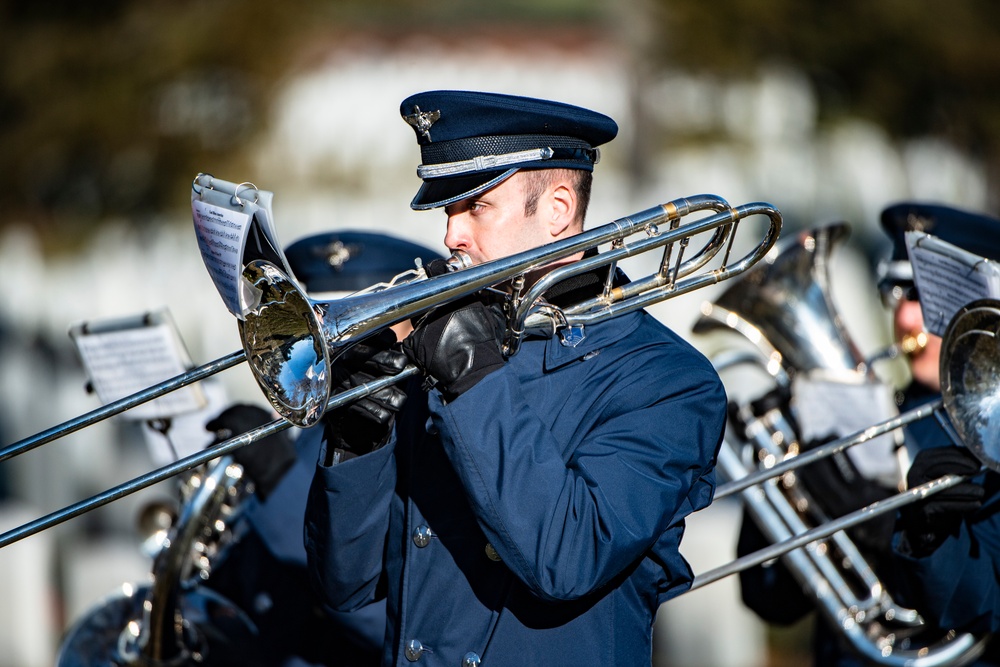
947, 278
826, 407
222, 234
130, 356
234, 225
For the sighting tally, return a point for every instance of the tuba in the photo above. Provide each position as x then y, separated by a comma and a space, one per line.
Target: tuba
784, 309
173, 620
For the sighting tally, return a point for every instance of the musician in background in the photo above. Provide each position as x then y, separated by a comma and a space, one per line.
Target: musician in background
264, 570
948, 545
940, 556
523, 510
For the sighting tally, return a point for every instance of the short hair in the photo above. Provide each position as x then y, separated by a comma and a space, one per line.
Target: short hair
537, 180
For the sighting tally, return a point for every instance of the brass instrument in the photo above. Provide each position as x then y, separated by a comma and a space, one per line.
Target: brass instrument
784, 308
291, 341
172, 621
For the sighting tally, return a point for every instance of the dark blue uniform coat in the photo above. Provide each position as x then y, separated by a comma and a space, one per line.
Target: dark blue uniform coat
535, 519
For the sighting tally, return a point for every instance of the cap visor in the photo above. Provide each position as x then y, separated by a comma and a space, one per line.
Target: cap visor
444, 191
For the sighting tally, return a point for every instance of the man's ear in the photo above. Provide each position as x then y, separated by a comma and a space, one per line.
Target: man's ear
563, 202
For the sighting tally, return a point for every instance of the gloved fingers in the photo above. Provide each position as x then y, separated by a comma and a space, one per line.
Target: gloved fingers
264, 461
388, 398
967, 492
374, 354
478, 301
372, 412
437, 267
235, 420
378, 406
932, 463
944, 510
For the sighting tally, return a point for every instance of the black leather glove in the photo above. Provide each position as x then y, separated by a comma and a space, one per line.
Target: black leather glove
364, 425
458, 345
838, 487
265, 461
928, 522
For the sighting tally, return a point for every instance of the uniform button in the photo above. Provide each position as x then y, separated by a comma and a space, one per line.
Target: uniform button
414, 649
471, 660
491, 553
262, 603
422, 536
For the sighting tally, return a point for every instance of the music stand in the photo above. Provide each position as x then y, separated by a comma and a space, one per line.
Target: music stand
125, 355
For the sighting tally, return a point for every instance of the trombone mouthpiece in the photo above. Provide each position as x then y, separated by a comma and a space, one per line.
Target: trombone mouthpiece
459, 260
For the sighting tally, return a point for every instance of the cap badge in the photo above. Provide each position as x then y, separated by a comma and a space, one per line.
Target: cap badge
422, 120
337, 254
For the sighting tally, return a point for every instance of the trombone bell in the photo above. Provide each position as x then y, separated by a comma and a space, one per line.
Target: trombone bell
970, 366
290, 362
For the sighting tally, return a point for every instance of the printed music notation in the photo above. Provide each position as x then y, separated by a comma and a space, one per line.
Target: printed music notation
947, 278
126, 356
234, 225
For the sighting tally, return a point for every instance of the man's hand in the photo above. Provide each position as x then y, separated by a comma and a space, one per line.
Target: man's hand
364, 425
265, 461
457, 345
928, 522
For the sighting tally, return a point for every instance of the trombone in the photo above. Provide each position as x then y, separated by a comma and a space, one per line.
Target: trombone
292, 341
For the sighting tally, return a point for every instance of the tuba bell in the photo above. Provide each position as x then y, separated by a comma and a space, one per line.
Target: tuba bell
784, 309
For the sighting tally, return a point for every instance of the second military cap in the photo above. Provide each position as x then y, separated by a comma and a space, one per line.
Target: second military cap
471, 141
347, 261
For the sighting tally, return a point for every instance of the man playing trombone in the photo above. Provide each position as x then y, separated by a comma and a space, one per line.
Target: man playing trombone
940, 556
523, 510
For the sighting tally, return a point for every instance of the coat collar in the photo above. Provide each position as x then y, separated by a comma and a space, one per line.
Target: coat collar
576, 289
597, 336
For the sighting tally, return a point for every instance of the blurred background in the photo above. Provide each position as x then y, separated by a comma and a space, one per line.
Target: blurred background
108, 110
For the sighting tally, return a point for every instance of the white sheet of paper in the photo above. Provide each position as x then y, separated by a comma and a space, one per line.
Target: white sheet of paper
222, 234
947, 278
122, 362
829, 407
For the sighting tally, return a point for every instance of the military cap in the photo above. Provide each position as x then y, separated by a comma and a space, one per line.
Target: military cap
471, 141
975, 232
347, 261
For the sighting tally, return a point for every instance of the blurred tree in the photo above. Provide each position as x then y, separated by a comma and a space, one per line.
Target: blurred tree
925, 68
109, 107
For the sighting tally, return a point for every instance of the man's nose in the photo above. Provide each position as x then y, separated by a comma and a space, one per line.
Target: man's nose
457, 236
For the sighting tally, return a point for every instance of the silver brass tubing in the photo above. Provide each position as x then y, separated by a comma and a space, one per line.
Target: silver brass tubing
830, 448
122, 404
866, 513
291, 340
188, 462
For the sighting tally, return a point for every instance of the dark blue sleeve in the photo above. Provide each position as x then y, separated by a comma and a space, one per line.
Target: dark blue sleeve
346, 523
566, 525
